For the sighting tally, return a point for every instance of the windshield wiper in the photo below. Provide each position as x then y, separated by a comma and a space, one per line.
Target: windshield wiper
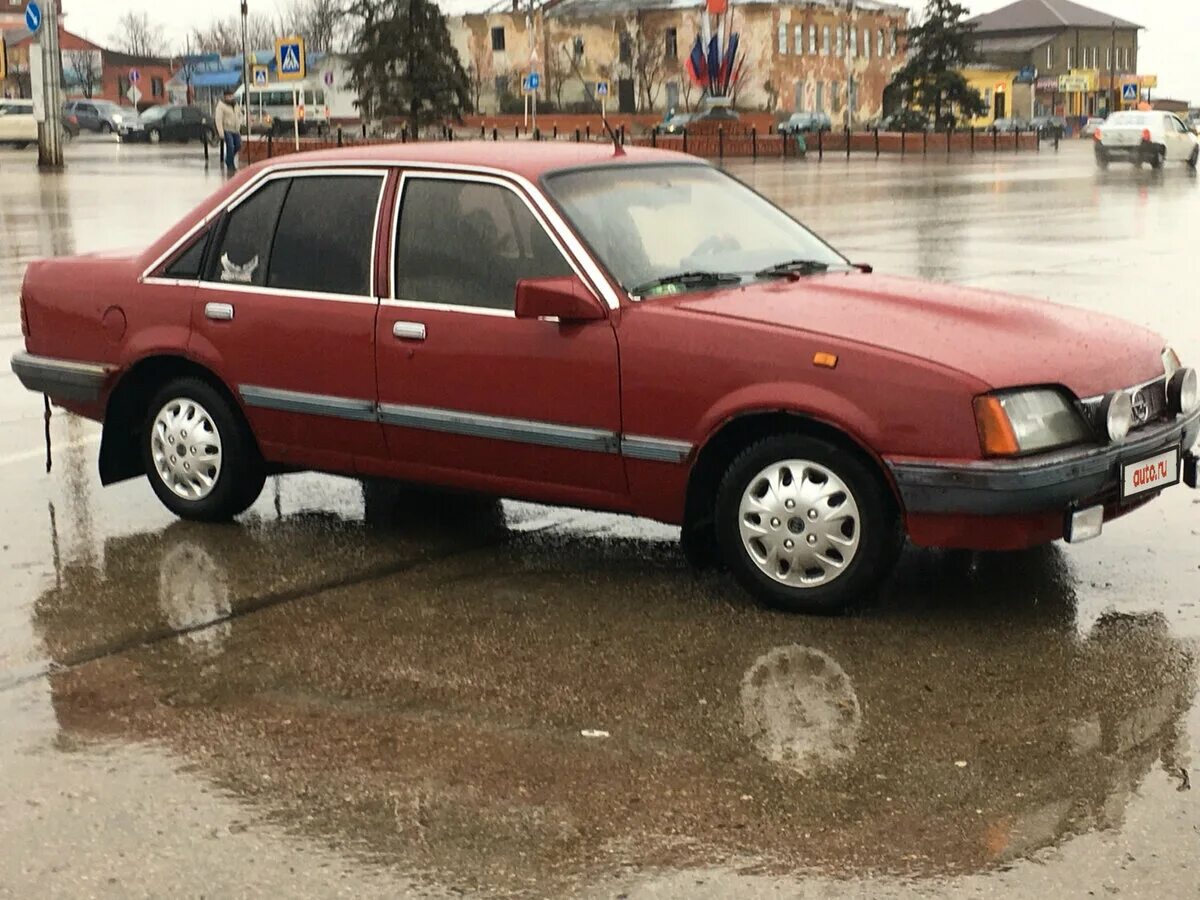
793, 267
687, 278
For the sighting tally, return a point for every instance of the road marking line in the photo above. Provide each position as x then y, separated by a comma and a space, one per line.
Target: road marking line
14, 458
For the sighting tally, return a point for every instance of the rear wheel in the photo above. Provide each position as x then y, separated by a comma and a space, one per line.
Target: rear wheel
105, 128
805, 525
1191, 160
199, 454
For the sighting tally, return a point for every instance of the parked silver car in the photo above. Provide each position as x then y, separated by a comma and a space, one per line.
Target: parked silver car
106, 117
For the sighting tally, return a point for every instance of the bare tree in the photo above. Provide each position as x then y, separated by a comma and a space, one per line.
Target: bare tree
224, 36
139, 35
648, 59
558, 69
480, 71
320, 22
81, 69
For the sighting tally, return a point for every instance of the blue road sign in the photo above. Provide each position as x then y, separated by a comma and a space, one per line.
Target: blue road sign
1129, 91
33, 16
134, 76
291, 58
534, 80
1027, 75
601, 88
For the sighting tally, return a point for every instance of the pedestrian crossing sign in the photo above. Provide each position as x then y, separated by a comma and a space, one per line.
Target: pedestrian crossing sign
289, 59
1129, 92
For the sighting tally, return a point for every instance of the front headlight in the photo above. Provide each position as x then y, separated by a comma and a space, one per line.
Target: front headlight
1170, 360
1012, 423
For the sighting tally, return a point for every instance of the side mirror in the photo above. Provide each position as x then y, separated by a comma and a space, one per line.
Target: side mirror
564, 298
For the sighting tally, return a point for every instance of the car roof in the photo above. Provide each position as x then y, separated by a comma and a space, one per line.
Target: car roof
529, 159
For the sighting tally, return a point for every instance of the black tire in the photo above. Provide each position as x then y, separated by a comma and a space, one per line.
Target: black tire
1192, 160
880, 536
241, 476
105, 128
1157, 158
154, 136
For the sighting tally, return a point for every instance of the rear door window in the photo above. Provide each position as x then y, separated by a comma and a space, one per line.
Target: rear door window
245, 240
326, 235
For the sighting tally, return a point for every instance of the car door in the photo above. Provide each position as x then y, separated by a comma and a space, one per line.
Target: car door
172, 125
286, 311
471, 395
1181, 136
191, 124
88, 117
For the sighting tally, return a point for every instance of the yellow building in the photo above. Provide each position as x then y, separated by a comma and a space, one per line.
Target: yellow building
1001, 95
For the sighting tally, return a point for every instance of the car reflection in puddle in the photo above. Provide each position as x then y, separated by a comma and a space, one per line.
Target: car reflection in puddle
427, 709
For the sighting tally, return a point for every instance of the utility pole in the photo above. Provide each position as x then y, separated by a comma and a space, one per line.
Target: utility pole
50, 148
851, 26
246, 72
1112, 71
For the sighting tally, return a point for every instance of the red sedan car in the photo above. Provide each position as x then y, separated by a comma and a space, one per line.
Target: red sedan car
633, 331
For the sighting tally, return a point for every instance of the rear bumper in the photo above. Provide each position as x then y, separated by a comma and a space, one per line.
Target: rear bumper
1050, 482
61, 379
1142, 152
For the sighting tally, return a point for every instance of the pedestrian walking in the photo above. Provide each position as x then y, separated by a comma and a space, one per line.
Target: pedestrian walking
229, 126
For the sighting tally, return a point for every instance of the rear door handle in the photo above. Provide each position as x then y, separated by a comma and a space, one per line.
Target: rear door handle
218, 312
409, 331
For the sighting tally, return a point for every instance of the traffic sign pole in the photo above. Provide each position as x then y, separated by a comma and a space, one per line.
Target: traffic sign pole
44, 24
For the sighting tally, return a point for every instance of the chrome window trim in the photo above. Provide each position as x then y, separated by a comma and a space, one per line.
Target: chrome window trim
449, 307
637, 446
476, 178
598, 282
244, 194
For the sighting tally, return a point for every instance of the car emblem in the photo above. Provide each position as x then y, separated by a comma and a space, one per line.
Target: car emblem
1141, 408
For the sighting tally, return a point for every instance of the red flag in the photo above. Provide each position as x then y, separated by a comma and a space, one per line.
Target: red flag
716, 7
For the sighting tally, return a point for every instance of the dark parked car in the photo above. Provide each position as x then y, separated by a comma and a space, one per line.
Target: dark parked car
105, 117
1012, 125
905, 120
178, 123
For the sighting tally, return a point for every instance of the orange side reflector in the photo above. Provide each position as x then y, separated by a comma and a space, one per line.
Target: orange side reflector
825, 360
996, 435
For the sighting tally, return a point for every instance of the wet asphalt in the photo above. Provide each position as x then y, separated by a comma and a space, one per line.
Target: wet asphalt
359, 690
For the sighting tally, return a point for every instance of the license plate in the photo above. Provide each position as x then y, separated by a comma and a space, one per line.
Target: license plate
1150, 474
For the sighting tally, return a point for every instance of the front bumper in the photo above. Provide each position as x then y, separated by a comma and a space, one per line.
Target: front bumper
1053, 481
59, 378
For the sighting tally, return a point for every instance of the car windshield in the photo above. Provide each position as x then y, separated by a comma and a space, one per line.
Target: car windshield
1127, 118
667, 228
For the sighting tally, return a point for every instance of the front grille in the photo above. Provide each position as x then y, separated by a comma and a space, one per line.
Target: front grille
1149, 405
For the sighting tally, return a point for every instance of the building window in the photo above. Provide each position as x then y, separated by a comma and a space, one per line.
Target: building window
498, 39
1108, 57
812, 39
157, 88
1049, 56
825, 40
577, 48
840, 46
798, 39
672, 44
853, 42
1070, 57
835, 100
866, 44
820, 104
782, 40
626, 47
894, 46
501, 84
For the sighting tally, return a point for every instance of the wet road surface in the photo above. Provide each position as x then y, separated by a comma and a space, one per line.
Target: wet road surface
363, 691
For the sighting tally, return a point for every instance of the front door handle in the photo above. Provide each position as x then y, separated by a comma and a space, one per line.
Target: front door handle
218, 312
409, 331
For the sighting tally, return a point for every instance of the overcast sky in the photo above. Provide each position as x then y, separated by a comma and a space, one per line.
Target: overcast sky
1168, 43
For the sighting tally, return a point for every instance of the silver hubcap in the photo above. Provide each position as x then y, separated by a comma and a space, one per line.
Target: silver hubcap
186, 448
799, 523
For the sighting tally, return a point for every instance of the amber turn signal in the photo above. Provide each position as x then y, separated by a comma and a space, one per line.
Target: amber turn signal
825, 360
996, 435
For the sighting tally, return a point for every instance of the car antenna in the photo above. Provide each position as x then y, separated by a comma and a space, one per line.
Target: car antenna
618, 149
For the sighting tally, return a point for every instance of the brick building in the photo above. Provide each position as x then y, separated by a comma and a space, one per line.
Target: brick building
1082, 56
832, 56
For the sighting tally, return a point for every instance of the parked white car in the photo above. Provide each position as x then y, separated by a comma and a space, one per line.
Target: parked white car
1152, 137
17, 124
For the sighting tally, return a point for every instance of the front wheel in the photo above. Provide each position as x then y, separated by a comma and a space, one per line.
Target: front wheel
1191, 160
199, 454
805, 525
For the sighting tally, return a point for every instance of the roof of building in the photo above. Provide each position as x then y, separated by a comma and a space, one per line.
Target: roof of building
1021, 43
1027, 15
117, 58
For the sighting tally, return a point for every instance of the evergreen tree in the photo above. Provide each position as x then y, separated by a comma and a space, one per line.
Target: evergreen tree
938, 49
403, 64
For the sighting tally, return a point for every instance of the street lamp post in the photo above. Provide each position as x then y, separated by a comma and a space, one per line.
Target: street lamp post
246, 72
